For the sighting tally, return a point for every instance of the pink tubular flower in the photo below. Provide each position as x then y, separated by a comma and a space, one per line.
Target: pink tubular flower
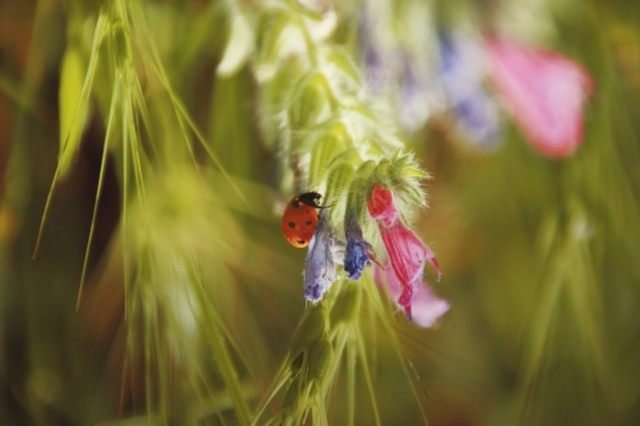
427, 308
407, 254
544, 92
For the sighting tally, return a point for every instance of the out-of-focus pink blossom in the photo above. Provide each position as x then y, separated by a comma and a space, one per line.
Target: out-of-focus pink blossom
544, 91
406, 251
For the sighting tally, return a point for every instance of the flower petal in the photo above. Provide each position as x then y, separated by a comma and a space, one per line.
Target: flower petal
359, 253
381, 206
407, 255
320, 268
463, 73
406, 251
413, 97
425, 309
356, 258
545, 93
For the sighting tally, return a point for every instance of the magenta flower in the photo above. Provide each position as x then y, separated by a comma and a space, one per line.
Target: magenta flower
406, 251
544, 91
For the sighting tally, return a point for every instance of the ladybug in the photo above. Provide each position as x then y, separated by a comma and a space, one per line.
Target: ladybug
300, 219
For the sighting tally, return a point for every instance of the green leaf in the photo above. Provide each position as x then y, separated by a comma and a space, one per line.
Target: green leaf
312, 102
359, 190
341, 71
240, 45
73, 96
331, 143
347, 305
311, 329
320, 359
73, 112
279, 37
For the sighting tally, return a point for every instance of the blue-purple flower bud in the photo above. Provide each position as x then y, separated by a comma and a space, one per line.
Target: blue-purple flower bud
320, 267
358, 252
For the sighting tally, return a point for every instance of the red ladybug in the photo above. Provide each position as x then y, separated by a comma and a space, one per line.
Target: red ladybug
300, 219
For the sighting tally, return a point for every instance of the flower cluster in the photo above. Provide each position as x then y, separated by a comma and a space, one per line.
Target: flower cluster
542, 91
317, 117
333, 140
406, 259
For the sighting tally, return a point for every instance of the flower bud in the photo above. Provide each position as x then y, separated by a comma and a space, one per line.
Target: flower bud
320, 267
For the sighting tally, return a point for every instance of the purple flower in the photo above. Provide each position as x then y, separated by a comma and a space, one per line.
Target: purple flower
320, 266
393, 68
359, 253
377, 72
413, 97
463, 75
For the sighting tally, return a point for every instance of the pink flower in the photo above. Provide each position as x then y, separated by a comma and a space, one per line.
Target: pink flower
427, 307
407, 253
544, 91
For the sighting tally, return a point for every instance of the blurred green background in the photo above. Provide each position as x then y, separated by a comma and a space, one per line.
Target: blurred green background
540, 257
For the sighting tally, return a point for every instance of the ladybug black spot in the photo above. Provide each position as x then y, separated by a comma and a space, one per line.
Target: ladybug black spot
308, 222
300, 241
292, 225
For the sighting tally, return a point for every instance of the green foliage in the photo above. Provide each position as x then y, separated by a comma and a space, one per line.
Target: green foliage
73, 112
162, 292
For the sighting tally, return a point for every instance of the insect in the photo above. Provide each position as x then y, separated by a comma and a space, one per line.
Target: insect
300, 218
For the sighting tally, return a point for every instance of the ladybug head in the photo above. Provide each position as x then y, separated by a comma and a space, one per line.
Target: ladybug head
310, 199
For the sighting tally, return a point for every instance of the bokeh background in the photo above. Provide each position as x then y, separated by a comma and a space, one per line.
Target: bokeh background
539, 254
